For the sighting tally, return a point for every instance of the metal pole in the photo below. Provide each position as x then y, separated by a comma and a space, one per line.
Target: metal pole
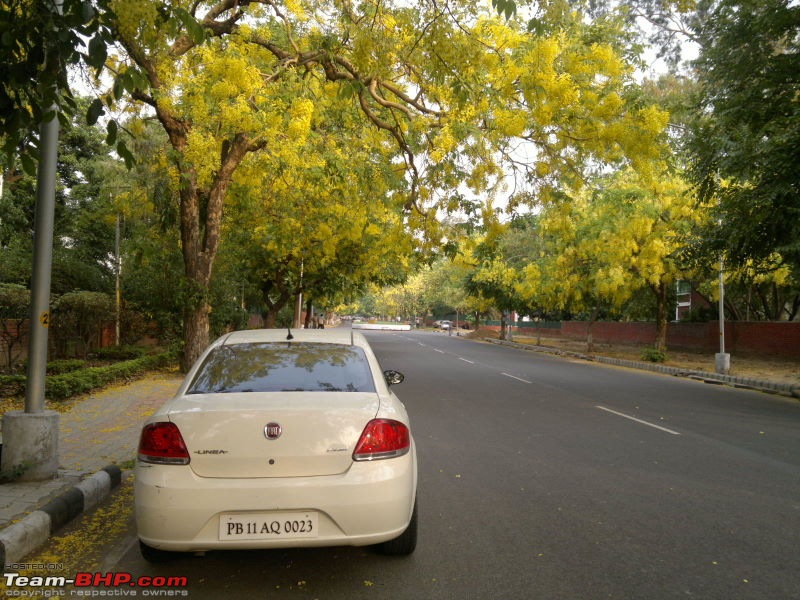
722, 359
721, 306
30, 437
118, 269
42, 266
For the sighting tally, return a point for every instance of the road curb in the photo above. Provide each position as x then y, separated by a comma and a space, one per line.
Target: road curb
32, 531
771, 387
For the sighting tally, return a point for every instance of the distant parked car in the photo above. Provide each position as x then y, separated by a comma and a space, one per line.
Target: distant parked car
445, 324
279, 439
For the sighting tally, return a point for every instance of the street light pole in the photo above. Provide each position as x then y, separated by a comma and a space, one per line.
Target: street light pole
117, 273
30, 437
722, 359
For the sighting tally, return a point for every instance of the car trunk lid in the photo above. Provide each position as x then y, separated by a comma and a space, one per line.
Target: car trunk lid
226, 433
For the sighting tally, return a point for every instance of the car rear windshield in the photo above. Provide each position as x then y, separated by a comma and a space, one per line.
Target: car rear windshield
284, 367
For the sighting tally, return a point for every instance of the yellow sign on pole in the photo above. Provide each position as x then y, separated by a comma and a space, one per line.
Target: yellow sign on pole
44, 318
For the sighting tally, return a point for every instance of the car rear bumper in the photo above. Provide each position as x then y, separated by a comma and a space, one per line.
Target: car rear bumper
370, 503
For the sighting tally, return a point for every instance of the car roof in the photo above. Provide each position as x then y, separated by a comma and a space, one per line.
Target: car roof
337, 335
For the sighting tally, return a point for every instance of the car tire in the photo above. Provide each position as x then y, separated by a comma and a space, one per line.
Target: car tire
406, 542
154, 555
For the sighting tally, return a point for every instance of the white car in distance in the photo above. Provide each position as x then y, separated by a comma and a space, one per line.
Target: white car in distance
279, 439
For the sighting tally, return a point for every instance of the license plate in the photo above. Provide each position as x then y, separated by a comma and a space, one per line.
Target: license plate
268, 526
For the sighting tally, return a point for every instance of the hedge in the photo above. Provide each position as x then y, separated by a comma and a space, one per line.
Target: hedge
66, 385
65, 365
12, 385
121, 352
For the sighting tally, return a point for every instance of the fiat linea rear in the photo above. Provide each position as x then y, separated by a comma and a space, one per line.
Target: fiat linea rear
279, 439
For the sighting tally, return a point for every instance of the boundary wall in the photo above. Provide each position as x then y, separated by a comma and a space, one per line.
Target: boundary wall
741, 337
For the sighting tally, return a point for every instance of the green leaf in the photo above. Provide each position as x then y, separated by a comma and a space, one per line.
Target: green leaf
537, 26
95, 111
28, 164
119, 87
506, 8
138, 80
193, 28
87, 11
350, 89
97, 52
127, 156
112, 128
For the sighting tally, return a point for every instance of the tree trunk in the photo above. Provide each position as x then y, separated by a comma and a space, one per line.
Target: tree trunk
589, 334
270, 319
791, 313
200, 231
273, 306
272, 312
197, 263
309, 308
661, 292
196, 327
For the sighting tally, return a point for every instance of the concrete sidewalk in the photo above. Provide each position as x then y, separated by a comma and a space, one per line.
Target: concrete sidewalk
98, 435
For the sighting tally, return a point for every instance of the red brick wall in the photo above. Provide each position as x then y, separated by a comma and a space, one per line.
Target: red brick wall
606, 331
106, 337
765, 338
757, 338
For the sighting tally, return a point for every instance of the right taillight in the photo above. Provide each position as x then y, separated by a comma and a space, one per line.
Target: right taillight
383, 438
162, 444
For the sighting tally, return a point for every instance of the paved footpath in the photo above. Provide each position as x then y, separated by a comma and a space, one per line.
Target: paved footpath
100, 433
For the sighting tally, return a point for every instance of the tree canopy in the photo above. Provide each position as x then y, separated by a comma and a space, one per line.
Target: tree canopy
323, 147
442, 87
745, 147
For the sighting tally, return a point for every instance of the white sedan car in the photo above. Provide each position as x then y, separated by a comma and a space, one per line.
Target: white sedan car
279, 439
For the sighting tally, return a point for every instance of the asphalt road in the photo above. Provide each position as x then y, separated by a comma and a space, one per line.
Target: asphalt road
547, 478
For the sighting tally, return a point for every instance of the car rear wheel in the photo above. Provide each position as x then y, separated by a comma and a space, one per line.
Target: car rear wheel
405, 543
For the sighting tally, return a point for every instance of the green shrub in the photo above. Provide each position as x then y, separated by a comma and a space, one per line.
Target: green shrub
68, 383
64, 365
121, 352
59, 387
654, 355
12, 385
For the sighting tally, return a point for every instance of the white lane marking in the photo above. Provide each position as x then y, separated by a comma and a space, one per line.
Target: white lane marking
466, 361
439, 351
517, 378
619, 414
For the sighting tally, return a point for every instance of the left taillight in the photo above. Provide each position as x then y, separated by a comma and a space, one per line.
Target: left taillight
382, 438
162, 444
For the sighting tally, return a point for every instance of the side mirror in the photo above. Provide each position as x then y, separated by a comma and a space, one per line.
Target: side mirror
393, 377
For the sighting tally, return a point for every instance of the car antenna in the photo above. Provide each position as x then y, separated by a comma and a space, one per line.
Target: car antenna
290, 336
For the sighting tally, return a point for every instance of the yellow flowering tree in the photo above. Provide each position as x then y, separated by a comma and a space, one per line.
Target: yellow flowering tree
443, 87
226, 80
603, 246
322, 222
